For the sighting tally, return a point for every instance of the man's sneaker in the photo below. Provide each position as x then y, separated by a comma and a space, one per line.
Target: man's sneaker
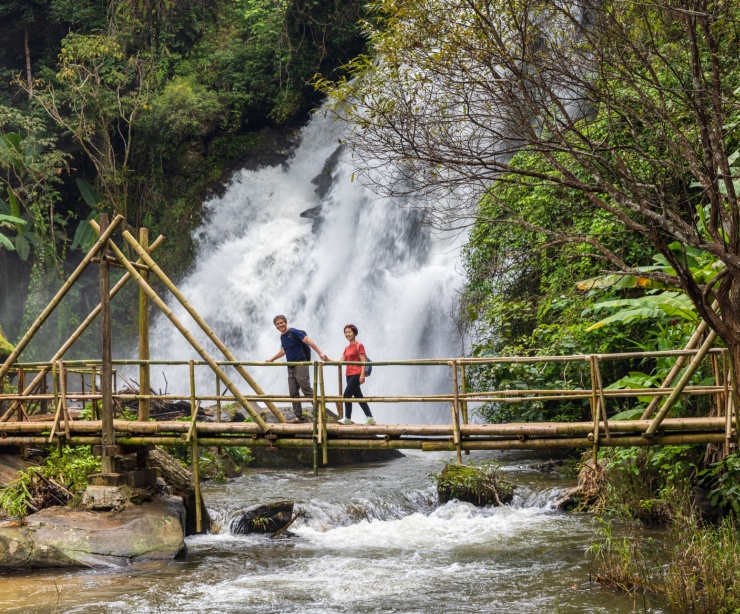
345, 421
370, 421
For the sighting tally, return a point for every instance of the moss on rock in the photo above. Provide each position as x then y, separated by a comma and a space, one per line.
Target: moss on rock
6, 348
477, 485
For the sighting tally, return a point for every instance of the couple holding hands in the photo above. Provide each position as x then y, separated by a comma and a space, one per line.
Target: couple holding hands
295, 344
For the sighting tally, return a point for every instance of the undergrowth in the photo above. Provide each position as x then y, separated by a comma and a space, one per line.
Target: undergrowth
59, 480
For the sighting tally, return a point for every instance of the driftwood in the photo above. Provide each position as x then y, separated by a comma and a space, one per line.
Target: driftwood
159, 409
183, 485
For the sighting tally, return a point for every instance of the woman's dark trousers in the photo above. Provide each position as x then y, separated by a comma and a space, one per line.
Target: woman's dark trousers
353, 391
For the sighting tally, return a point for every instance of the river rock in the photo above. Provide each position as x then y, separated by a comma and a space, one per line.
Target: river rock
10, 468
64, 537
264, 518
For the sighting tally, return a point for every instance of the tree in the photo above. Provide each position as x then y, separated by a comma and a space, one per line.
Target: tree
96, 96
633, 105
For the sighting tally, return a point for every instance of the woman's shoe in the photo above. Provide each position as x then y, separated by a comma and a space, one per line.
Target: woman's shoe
370, 421
345, 421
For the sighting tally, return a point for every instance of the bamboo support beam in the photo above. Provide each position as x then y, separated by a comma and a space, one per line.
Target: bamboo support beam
397, 444
142, 253
322, 416
144, 384
682, 382
63, 398
186, 333
602, 398
314, 421
455, 408
20, 346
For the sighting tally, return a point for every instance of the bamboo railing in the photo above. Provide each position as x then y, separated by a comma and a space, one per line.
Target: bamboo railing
322, 434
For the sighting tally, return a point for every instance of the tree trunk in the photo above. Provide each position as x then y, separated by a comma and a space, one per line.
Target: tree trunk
29, 75
181, 481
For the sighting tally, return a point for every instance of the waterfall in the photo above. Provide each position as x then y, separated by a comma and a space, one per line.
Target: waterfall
363, 259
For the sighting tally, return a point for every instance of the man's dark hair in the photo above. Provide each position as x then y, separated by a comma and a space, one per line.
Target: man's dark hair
276, 318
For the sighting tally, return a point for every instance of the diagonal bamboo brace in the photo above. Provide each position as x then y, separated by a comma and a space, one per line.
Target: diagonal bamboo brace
153, 267
690, 370
73, 337
184, 332
60, 295
677, 366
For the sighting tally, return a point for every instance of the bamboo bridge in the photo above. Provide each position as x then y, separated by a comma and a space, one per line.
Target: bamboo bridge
24, 404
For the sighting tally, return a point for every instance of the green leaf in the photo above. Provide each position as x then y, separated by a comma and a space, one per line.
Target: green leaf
22, 246
6, 243
629, 414
84, 235
89, 194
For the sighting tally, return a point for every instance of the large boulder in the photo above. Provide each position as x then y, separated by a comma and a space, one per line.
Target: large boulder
64, 537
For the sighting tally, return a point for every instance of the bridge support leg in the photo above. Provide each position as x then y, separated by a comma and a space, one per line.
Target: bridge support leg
455, 407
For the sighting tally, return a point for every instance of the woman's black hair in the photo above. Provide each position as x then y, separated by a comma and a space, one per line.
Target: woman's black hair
352, 327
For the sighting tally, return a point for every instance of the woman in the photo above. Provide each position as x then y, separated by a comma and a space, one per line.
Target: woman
354, 352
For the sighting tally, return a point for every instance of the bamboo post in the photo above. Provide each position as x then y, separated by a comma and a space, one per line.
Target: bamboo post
40, 377
218, 407
726, 409
22, 412
199, 320
93, 389
144, 386
602, 398
455, 407
108, 435
464, 391
685, 378
63, 397
44, 404
194, 443
594, 413
21, 386
186, 333
54, 383
322, 417
340, 405
315, 422
102, 240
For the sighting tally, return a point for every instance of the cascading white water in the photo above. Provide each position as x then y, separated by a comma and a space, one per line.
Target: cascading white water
370, 262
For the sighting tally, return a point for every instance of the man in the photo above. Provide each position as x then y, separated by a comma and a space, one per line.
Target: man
293, 344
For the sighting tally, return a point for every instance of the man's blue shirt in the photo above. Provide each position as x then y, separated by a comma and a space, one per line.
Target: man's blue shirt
294, 349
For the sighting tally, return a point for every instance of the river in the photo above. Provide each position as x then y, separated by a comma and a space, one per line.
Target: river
374, 539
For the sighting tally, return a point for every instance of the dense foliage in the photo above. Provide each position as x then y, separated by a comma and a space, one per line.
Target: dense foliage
140, 107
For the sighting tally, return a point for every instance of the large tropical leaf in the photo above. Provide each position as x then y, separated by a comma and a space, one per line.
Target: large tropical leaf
653, 306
